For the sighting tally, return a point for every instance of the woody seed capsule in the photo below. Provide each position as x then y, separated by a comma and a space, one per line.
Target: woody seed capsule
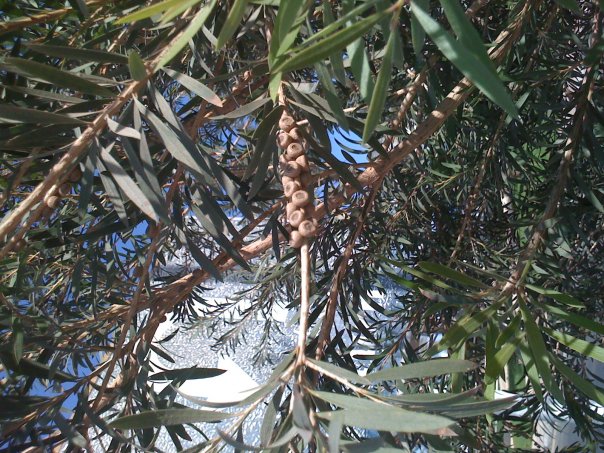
307, 229
296, 135
52, 201
289, 209
286, 123
294, 151
296, 218
283, 140
295, 239
286, 179
302, 161
291, 169
300, 198
290, 188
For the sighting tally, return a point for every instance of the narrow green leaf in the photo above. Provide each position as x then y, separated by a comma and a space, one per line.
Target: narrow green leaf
54, 76
80, 54
17, 340
364, 413
466, 33
204, 262
183, 38
43, 94
477, 408
451, 274
122, 130
309, 55
195, 86
129, 187
186, 374
20, 115
261, 136
380, 91
343, 21
137, 66
557, 295
497, 362
463, 328
429, 368
149, 11
584, 386
331, 95
335, 59
286, 28
168, 417
531, 370
464, 59
418, 35
576, 344
174, 11
267, 151
233, 20
350, 376
578, 320
244, 110
539, 352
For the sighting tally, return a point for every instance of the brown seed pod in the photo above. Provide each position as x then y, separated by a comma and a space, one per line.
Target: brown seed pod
296, 218
300, 198
286, 179
291, 169
296, 135
283, 140
75, 175
290, 188
64, 189
53, 201
307, 229
294, 150
295, 239
289, 209
302, 161
286, 122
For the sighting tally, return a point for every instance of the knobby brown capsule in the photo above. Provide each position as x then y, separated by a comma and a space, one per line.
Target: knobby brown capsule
291, 169
286, 123
295, 239
52, 201
296, 218
296, 135
290, 188
307, 229
302, 161
294, 150
300, 198
289, 209
283, 140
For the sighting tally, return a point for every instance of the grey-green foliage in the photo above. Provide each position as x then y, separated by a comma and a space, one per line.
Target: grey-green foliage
481, 206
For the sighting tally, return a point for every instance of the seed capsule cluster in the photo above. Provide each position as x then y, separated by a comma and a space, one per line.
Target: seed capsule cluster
295, 176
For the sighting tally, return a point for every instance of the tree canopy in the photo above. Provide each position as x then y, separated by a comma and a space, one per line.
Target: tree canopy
454, 151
